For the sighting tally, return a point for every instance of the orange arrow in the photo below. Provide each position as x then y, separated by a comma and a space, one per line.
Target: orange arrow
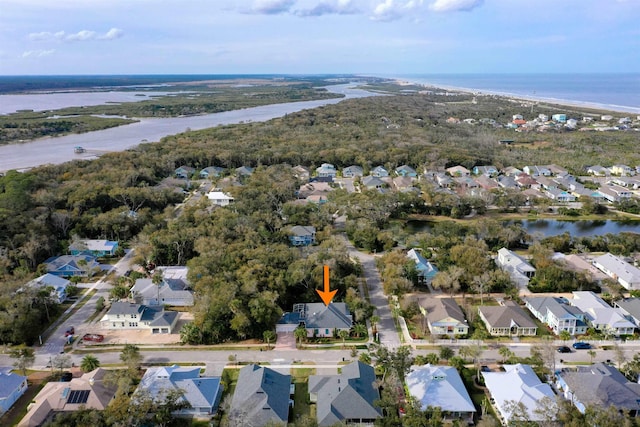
326, 295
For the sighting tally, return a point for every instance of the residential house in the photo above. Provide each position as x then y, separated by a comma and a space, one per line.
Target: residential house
557, 314
543, 118
72, 265
57, 284
347, 398
174, 288
614, 193
511, 171
405, 170
318, 319
125, 315
301, 235
560, 196
518, 384
465, 182
600, 315
97, 248
488, 170
578, 263
326, 170
622, 170
12, 386
615, 267
261, 397
244, 171
219, 198
630, 308
599, 385
524, 180
201, 393
535, 171
561, 118
184, 172
317, 199
441, 387
486, 182
211, 172
426, 271
352, 171
403, 183
507, 181
444, 180
372, 183
518, 268
379, 172
89, 391
458, 171
302, 173
598, 170
444, 316
507, 320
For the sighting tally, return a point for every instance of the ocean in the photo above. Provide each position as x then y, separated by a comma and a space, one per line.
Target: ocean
611, 91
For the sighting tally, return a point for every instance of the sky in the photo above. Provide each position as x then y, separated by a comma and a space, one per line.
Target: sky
375, 37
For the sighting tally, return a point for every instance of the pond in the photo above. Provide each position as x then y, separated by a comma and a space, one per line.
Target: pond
554, 227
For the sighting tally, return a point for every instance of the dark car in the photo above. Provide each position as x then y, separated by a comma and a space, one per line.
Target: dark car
66, 377
581, 345
564, 349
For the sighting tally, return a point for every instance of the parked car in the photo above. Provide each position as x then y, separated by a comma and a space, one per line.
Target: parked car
564, 349
93, 337
581, 345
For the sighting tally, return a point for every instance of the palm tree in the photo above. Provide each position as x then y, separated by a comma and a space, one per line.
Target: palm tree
300, 333
268, 336
374, 321
89, 363
344, 334
565, 335
359, 329
591, 354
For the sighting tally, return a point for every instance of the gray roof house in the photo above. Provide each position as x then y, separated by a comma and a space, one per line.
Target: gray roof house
599, 385
346, 398
302, 235
371, 182
517, 267
626, 274
601, 315
444, 316
442, 387
184, 172
379, 172
72, 265
211, 171
508, 319
244, 171
261, 397
630, 307
125, 315
406, 170
318, 319
173, 290
12, 386
326, 170
557, 314
352, 171
58, 285
202, 393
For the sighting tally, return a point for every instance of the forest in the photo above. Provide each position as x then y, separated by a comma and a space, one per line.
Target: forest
241, 265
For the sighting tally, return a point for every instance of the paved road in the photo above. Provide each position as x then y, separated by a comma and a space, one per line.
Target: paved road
55, 343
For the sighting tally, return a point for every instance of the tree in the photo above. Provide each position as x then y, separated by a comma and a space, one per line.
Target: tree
446, 353
564, 335
506, 354
481, 284
131, 357
344, 334
268, 336
359, 329
374, 322
89, 363
24, 357
300, 334
592, 355
619, 355
61, 362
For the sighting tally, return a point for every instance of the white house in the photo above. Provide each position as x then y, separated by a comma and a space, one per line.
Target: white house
442, 387
125, 315
219, 198
626, 274
557, 314
174, 289
601, 315
518, 384
517, 267
57, 284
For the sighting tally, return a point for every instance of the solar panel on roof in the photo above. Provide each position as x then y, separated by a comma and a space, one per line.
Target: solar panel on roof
78, 396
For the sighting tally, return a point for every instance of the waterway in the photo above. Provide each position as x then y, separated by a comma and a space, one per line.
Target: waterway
60, 149
553, 227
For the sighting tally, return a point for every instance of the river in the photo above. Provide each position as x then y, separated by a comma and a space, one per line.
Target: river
553, 227
58, 150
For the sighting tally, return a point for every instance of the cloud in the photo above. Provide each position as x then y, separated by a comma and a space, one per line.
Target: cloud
272, 7
84, 35
37, 53
454, 5
341, 7
391, 10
